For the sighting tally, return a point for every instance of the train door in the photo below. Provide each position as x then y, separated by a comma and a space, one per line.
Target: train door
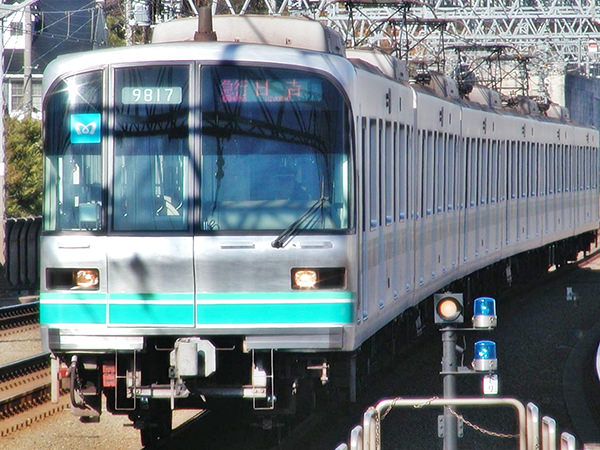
425, 215
149, 259
369, 220
471, 214
404, 259
552, 186
534, 192
451, 230
483, 199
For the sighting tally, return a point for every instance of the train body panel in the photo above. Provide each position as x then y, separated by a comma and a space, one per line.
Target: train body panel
266, 211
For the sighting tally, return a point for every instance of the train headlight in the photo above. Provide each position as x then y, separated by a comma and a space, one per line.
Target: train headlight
61, 278
87, 279
485, 356
484, 313
305, 279
318, 278
448, 308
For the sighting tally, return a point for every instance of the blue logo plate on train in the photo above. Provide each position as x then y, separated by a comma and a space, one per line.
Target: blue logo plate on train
86, 128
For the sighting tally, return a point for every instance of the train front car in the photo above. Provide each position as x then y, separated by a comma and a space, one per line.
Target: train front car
197, 226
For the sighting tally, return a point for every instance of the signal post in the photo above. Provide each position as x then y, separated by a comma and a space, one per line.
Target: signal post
448, 312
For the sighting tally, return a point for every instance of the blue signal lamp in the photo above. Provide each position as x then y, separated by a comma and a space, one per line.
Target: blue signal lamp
484, 313
485, 359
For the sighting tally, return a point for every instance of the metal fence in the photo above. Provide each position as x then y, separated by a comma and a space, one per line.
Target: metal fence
22, 254
533, 433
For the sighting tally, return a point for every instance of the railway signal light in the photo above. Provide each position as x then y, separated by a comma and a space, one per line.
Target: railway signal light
484, 313
485, 359
448, 308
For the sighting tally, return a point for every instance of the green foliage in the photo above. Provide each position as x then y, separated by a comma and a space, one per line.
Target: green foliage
116, 29
23, 157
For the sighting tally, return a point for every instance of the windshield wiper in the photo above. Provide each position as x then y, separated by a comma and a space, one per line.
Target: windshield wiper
286, 235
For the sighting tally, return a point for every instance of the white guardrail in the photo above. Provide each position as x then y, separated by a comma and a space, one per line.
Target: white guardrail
533, 433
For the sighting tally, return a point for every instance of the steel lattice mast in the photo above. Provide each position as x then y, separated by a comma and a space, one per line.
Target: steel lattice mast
498, 38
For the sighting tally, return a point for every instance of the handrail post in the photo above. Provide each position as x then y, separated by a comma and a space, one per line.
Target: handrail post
370, 429
533, 427
548, 433
567, 441
356, 438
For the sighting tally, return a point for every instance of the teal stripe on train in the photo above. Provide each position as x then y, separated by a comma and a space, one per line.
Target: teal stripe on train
270, 308
77, 307
302, 307
173, 309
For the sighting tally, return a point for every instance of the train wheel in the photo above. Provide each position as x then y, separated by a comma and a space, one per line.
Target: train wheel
154, 423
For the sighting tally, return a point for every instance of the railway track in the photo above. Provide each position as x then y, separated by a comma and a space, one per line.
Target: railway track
25, 393
24, 384
15, 317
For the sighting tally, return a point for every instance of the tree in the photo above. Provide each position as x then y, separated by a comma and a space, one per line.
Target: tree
23, 155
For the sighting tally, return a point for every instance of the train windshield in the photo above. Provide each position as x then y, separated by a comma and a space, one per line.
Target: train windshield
274, 143
73, 154
151, 148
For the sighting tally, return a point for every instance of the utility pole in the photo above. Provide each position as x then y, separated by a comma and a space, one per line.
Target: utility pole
27, 89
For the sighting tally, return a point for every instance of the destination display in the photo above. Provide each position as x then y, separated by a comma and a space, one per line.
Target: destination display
151, 95
235, 90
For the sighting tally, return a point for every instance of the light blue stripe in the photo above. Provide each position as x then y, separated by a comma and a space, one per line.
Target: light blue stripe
293, 295
152, 296
80, 295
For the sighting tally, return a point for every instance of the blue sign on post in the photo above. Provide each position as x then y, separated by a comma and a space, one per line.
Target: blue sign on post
86, 128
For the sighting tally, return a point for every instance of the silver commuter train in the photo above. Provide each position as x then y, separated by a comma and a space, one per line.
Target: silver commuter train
236, 220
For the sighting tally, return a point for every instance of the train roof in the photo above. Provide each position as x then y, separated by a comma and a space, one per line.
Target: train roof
339, 67
295, 32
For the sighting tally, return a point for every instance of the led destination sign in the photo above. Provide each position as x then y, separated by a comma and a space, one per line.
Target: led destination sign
151, 95
270, 90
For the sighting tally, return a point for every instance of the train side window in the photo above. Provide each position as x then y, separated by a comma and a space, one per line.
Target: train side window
502, 180
474, 178
429, 178
365, 179
494, 172
581, 168
468, 171
554, 174
593, 168
576, 168
420, 179
567, 168
586, 168
533, 169
548, 165
440, 169
543, 168
523, 169
396, 170
389, 167
402, 149
558, 167
450, 172
373, 172
461, 182
483, 171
